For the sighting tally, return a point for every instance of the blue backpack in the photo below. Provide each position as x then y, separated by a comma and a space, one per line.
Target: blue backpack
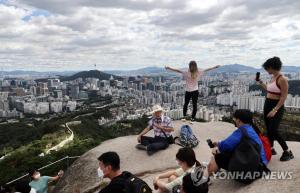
187, 137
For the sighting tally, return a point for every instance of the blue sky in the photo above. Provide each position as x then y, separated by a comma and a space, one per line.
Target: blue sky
36, 13
127, 34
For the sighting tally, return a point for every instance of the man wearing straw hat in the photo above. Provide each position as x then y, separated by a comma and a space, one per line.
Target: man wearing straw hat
162, 127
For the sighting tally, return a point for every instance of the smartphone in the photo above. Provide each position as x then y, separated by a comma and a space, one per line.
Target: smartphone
257, 76
210, 143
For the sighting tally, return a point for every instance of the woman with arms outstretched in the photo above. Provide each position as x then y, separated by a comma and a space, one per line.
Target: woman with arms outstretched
191, 77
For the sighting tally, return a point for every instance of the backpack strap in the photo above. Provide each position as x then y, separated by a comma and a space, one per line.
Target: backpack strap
246, 136
175, 138
123, 180
244, 132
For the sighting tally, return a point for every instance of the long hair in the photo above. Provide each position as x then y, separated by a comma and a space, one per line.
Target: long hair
193, 69
187, 155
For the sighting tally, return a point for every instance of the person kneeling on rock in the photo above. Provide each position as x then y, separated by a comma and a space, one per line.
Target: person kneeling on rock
242, 153
162, 127
188, 163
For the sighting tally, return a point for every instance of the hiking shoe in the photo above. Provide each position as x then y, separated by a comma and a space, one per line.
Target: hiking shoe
274, 152
150, 152
286, 156
141, 147
193, 120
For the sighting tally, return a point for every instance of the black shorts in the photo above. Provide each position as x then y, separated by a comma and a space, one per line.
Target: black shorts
223, 159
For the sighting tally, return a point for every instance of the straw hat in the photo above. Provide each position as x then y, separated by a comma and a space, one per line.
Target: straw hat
156, 108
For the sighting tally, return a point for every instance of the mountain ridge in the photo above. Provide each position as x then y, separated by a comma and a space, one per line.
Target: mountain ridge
90, 74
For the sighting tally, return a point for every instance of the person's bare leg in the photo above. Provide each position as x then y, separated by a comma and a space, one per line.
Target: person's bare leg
171, 178
160, 191
212, 166
161, 186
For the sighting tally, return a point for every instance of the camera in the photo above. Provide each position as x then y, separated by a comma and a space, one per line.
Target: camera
210, 143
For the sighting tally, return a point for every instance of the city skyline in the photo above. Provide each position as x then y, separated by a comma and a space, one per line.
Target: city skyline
126, 34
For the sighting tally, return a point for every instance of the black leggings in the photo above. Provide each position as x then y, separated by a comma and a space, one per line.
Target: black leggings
188, 95
273, 123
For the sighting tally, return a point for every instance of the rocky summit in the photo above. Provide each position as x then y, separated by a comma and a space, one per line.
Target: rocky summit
83, 172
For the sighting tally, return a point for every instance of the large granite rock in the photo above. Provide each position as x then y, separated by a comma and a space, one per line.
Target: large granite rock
83, 172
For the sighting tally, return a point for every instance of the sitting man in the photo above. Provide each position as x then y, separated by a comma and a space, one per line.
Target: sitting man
121, 182
162, 126
223, 150
109, 167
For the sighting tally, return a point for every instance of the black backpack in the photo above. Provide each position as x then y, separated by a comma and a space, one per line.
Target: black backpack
133, 184
246, 160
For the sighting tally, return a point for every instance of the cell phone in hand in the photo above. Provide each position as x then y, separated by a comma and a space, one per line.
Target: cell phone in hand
257, 76
210, 143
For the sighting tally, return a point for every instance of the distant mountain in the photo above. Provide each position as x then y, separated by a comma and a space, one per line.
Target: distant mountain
90, 74
291, 69
159, 71
235, 68
229, 68
150, 71
142, 71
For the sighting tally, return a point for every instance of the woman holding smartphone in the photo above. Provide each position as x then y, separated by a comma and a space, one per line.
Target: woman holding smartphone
277, 91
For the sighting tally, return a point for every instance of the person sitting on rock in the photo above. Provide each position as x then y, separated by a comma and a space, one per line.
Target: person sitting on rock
40, 183
223, 150
187, 161
120, 182
162, 126
109, 167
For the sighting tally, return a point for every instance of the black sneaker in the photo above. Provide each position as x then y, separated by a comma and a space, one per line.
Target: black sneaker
286, 156
141, 147
274, 152
150, 153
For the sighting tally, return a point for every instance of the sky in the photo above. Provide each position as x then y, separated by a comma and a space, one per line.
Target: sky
59, 35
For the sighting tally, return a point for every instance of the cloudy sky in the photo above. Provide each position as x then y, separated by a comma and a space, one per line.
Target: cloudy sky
128, 34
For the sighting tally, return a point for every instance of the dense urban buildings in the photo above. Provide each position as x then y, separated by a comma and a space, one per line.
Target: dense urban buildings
220, 93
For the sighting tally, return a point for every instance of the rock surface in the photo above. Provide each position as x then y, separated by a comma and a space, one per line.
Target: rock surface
83, 172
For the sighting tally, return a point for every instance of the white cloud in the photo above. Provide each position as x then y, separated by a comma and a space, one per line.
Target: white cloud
121, 34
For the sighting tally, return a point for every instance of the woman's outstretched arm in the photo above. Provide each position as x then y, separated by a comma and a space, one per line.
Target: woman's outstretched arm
209, 69
173, 69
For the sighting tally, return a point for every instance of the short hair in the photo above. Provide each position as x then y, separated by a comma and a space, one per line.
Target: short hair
110, 158
273, 63
186, 154
31, 171
244, 115
189, 187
